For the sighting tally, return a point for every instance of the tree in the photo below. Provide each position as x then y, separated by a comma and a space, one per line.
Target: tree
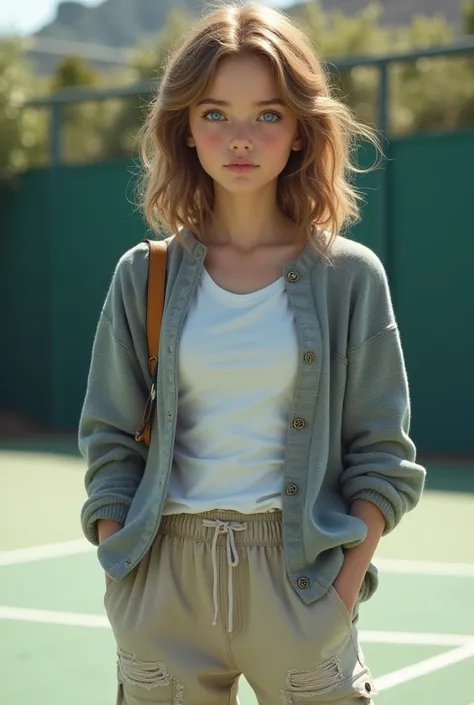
468, 16
22, 131
72, 72
82, 124
428, 94
466, 113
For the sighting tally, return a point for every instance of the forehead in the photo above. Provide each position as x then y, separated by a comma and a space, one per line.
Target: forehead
251, 74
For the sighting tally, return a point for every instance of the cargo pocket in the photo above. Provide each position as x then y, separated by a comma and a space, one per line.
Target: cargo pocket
328, 683
341, 678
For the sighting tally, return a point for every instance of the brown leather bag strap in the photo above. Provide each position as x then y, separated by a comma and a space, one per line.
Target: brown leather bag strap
154, 315
155, 299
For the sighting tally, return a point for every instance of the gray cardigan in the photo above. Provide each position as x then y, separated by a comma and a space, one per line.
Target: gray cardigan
347, 435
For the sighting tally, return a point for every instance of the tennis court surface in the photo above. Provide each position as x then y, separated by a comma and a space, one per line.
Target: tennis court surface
56, 647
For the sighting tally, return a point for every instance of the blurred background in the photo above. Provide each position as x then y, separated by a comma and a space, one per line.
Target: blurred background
75, 82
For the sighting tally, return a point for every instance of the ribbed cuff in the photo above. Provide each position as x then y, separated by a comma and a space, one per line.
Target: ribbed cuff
117, 512
385, 506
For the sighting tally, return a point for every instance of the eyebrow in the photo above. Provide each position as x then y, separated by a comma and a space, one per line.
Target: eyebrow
214, 101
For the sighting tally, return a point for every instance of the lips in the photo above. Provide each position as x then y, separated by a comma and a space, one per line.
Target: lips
240, 162
241, 166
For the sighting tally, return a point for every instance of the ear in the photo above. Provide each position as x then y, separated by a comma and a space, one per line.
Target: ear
190, 140
297, 144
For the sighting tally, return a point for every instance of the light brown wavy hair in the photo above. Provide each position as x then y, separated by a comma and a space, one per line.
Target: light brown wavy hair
314, 190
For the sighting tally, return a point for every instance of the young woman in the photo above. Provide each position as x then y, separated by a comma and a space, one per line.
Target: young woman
240, 541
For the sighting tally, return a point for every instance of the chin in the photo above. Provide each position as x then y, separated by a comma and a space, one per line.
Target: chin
242, 187
243, 184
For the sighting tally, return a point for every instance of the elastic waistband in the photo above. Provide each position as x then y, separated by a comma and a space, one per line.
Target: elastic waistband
264, 529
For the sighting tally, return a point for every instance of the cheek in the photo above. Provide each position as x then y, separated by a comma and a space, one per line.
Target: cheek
208, 140
275, 141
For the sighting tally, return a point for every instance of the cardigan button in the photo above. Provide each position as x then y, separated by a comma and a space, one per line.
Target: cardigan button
303, 583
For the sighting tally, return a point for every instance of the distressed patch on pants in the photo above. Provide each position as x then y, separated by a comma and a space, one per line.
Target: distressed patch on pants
146, 674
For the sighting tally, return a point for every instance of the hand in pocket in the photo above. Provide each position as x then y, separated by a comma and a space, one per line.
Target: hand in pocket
346, 591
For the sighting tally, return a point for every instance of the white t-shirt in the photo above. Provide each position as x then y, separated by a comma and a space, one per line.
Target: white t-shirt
238, 359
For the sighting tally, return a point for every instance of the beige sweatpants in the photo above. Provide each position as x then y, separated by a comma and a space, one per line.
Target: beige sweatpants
211, 601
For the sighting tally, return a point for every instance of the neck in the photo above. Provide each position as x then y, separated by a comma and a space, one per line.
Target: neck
249, 220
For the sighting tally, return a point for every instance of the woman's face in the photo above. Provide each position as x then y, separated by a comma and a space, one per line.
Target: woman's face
241, 129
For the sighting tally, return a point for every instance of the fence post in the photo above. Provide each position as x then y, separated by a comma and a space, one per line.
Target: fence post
54, 229
383, 98
55, 134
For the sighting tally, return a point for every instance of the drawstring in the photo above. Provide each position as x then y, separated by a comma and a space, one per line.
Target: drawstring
225, 527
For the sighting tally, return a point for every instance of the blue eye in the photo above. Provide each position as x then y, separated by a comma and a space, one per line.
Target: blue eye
271, 115
211, 116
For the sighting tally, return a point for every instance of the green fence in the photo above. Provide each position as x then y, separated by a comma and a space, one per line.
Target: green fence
63, 229
57, 260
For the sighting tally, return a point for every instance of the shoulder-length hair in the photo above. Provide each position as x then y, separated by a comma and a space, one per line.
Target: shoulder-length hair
314, 190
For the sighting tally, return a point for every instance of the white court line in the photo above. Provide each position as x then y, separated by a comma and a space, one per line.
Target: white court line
385, 565
369, 636
423, 668
79, 619
39, 553
68, 619
458, 570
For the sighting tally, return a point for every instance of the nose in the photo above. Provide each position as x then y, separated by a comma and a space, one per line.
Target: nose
240, 143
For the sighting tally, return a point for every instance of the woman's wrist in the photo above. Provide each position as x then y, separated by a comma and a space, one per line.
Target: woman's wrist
106, 528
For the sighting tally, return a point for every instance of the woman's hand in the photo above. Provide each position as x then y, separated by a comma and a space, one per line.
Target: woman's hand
105, 529
348, 589
357, 559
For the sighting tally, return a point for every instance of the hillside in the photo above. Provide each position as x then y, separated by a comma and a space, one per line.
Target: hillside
124, 23
121, 23
117, 23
